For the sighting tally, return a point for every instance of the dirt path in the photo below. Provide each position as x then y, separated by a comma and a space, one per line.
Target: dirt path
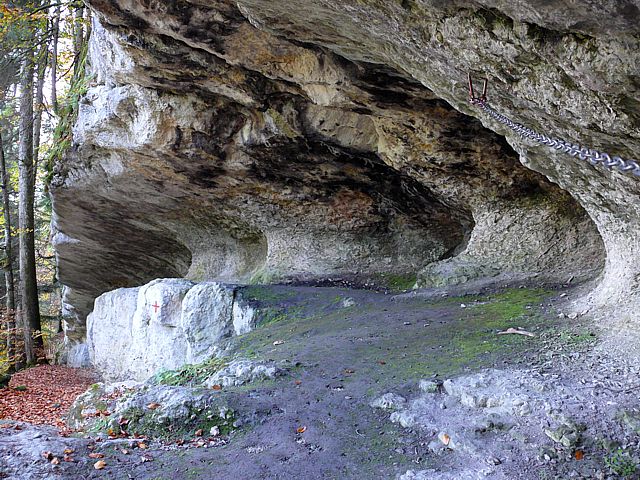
345, 348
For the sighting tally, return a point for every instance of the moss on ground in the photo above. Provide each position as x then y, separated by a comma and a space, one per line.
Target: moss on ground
190, 374
153, 424
397, 282
265, 293
466, 339
272, 315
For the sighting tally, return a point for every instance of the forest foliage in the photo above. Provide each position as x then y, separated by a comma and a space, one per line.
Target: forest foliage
42, 75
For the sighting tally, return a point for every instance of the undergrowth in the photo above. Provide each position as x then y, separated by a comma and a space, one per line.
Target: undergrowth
621, 463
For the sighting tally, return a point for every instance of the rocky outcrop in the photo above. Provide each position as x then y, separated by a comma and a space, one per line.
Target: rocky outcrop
486, 420
268, 141
134, 333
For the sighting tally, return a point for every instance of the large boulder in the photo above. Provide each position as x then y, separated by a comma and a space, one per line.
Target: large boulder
133, 333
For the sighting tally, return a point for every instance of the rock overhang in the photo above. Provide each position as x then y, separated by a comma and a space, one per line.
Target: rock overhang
321, 142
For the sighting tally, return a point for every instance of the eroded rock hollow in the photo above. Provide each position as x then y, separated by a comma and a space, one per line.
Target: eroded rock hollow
264, 141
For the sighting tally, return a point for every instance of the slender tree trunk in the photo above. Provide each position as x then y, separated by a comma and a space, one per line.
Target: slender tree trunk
39, 98
8, 265
87, 25
78, 33
29, 311
55, 33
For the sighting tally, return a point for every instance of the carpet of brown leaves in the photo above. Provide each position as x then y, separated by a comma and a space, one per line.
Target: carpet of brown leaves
50, 391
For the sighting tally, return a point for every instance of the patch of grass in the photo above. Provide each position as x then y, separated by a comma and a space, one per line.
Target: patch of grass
512, 308
195, 472
270, 316
397, 282
456, 340
265, 293
188, 375
511, 304
102, 424
151, 424
572, 339
621, 463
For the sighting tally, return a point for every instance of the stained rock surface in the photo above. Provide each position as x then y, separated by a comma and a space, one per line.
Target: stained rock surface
269, 140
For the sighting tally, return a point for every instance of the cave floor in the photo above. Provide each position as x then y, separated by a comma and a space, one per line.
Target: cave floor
344, 348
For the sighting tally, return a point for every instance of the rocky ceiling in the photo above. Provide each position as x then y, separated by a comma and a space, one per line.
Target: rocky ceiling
276, 140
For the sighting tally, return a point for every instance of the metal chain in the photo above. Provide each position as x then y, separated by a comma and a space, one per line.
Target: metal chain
594, 157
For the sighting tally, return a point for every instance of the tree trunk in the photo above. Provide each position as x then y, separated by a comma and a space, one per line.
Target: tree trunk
29, 311
55, 33
78, 33
8, 264
39, 106
87, 25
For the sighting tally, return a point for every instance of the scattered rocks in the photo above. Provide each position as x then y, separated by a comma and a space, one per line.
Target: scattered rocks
564, 434
30, 452
240, 372
389, 401
631, 420
494, 390
498, 418
429, 386
348, 302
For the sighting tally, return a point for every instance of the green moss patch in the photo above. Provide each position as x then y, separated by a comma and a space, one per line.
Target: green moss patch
154, 425
188, 375
396, 282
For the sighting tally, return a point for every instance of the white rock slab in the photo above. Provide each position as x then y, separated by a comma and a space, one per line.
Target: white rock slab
133, 333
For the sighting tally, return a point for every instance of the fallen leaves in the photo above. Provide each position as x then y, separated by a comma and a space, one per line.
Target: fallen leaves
578, 454
48, 456
153, 406
48, 394
301, 429
516, 331
96, 455
216, 387
100, 464
444, 438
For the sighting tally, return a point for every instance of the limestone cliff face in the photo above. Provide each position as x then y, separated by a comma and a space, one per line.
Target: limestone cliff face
272, 140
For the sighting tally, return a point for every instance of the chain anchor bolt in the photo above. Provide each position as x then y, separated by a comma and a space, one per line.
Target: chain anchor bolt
473, 99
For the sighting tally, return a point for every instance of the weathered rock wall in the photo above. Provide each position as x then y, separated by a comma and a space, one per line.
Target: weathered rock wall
264, 141
133, 333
